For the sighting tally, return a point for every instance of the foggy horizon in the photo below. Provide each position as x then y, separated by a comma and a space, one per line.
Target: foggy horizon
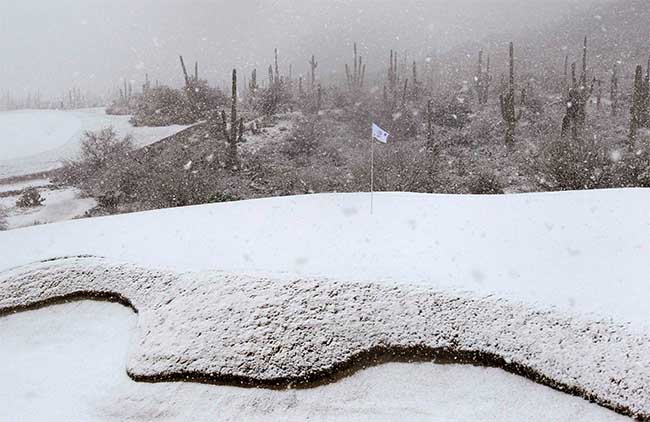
92, 45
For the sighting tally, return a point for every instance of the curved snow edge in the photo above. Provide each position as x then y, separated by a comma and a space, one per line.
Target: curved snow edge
232, 329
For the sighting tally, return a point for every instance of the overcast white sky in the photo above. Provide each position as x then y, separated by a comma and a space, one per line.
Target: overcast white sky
53, 45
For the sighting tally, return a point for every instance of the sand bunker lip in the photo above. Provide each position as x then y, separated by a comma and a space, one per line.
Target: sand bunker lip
235, 329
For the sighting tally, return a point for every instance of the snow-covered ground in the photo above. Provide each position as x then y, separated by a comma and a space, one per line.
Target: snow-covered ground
275, 134
556, 282
233, 328
583, 252
33, 141
18, 186
29, 132
67, 364
59, 205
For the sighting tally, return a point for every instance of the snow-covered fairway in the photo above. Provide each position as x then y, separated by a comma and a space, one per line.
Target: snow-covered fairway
33, 141
67, 364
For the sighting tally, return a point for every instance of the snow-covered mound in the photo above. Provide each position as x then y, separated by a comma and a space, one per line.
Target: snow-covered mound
27, 133
580, 252
34, 141
230, 328
65, 363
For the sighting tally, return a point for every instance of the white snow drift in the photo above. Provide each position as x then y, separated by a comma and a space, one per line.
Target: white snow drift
34, 141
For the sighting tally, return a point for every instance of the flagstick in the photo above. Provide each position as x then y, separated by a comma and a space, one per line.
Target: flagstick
372, 175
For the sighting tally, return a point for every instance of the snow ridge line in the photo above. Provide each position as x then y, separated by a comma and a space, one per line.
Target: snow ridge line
233, 329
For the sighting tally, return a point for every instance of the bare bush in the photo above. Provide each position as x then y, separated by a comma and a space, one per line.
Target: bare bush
571, 165
303, 141
455, 113
631, 168
485, 183
99, 149
3, 219
401, 167
275, 99
163, 106
105, 169
30, 198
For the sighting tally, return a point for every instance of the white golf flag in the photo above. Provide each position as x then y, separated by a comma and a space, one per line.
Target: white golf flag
380, 134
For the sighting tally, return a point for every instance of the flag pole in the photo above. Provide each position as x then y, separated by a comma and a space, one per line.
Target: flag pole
372, 174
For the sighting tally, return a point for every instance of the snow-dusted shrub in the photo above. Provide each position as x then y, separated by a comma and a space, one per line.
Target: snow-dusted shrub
215, 198
454, 113
275, 99
303, 141
99, 149
403, 124
30, 198
563, 164
485, 183
3, 219
168, 185
104, 169
401, 167
630, 168
481, 129
164, 106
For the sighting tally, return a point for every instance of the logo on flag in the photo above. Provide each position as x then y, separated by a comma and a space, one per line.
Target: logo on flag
379, 134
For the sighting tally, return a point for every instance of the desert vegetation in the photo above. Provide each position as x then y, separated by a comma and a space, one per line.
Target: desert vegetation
474, 133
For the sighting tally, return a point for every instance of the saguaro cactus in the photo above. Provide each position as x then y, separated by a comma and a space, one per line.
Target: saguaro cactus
252, 84
646, 97
319, 98
639, 104
355, 77
189, 91
567, 85
185, 74
391, 91
430, 129
577, 99
507, 101
613, 90
584, 93
235, 133
482, 80
313, 64
276, 78
393, 77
